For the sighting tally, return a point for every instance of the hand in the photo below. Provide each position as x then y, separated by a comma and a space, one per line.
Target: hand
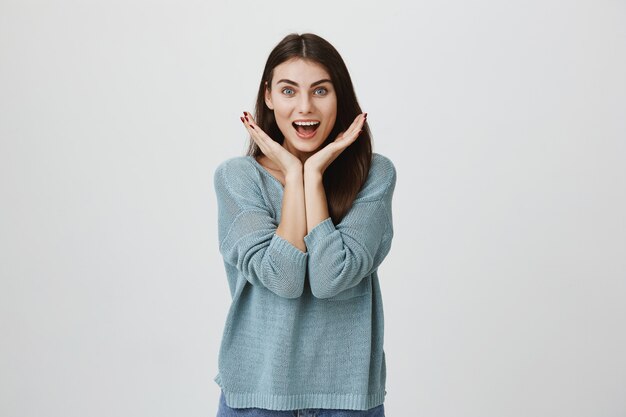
285, 160
320, 160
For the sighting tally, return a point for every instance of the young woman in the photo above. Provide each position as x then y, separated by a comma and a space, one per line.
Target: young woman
304, 221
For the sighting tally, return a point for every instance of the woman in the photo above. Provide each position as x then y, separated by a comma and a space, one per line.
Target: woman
304, 221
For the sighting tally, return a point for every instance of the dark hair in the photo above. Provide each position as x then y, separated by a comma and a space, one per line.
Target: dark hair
345, 176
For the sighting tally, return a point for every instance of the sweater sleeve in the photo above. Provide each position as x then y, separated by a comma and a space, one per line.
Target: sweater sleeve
341, 256
247, 234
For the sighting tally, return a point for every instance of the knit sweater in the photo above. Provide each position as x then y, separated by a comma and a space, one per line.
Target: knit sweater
304, 329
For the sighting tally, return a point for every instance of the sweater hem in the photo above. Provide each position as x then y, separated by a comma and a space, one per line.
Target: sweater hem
327, 400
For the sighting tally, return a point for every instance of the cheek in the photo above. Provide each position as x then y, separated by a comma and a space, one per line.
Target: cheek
331, 111
332, 117
281, 114
283, 121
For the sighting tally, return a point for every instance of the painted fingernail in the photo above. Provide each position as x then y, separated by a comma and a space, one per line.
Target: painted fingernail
365, 115
246, 113
247, 119
252, 127
241, 119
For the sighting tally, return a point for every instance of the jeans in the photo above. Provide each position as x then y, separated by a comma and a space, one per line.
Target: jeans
226, 411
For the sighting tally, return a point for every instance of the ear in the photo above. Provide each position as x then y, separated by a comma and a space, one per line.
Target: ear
268, 97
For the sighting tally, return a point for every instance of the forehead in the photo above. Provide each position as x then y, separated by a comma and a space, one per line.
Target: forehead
304, 72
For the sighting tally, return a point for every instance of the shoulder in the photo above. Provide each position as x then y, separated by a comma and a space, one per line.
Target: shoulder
382, 168
236, 175
233, 169
233, 164
381, 179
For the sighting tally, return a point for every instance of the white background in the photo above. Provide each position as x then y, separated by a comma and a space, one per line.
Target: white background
505, 289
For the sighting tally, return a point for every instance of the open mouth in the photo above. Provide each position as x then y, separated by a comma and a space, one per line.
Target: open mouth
305, 129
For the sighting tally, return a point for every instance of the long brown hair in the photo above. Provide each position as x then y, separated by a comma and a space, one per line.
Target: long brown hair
347, 173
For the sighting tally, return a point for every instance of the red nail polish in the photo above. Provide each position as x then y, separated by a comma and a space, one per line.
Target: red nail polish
252, 126
365, 115
247, 119
241, 119
246, 113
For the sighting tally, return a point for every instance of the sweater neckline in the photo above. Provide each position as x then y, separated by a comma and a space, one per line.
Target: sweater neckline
265, 171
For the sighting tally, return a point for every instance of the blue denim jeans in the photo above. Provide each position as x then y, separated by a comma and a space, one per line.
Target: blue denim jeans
226, 411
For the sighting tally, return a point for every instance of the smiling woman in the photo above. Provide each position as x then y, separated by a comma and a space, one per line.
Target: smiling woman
304, 222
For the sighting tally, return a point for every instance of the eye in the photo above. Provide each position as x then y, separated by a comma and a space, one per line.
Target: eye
323, 89
286, 88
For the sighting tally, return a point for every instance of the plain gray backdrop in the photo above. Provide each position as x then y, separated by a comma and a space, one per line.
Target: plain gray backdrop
505, 288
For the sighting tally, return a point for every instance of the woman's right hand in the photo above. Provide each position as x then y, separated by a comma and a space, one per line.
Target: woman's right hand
285, 160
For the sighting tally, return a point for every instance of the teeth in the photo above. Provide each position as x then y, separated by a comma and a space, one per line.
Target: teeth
306, 123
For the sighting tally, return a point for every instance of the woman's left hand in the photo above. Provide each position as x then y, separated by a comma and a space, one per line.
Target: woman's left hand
320, 160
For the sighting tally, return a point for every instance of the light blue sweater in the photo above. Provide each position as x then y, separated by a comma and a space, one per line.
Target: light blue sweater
304, 329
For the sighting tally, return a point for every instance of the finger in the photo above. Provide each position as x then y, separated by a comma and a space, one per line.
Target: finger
362, 120
253, 134
247, 119
354, 131
253, 127
269, 142
250, 120
356, 125
258, 135
354, 128
355, 122
246, 124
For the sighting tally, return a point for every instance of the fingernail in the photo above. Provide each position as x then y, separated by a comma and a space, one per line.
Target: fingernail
365, 115
247, 119
241, 119
246, 113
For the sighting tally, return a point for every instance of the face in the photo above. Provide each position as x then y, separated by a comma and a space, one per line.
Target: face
302, 91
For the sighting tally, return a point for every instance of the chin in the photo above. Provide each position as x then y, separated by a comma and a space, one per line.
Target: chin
305, 146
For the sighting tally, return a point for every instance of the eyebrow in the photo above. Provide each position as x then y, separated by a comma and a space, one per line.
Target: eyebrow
284, 80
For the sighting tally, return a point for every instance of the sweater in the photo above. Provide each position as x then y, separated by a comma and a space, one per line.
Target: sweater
304, 329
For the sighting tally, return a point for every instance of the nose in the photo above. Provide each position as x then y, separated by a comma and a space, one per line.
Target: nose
305, 104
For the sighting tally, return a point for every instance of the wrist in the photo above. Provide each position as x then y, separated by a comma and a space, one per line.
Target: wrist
311, 171
312, 175
294, 176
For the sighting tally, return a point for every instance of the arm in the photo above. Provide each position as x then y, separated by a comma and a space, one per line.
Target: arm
316, 206
314, 167
247, 232
293, 222
341, 256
